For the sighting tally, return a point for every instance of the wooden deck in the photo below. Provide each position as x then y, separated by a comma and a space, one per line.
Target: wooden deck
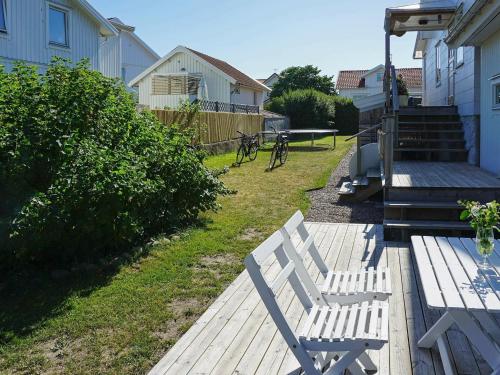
417, 174
237, 336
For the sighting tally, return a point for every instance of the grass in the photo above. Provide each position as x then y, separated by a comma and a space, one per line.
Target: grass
122, 320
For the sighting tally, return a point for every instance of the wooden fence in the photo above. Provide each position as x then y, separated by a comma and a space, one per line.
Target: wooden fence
216, 126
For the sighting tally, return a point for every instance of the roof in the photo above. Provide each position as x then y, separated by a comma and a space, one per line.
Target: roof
351, 79
232, 74
105, 27
261, 80
240, 77
118, 23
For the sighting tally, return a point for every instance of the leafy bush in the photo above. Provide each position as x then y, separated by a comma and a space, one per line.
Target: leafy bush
82, 174
305, 108
301, 78
346, 115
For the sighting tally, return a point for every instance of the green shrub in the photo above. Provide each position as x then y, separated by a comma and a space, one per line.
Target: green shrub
82, 174
346, 116
305, 108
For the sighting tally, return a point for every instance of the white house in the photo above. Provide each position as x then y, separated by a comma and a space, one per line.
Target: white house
269, 82
36, 30
188, 74
125, 55
356, 84
461, 66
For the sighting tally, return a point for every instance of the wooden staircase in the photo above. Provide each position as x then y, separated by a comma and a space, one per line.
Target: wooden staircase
429, 136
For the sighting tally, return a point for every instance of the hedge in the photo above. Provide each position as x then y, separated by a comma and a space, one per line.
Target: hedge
83, 174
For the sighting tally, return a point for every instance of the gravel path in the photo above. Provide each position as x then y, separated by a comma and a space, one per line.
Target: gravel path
326, 206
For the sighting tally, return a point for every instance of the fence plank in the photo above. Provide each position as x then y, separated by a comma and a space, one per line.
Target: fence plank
218, 126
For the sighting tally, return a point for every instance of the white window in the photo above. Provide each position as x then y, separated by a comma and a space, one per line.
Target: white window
58, 26
438, 62
181, 84
380, 76
3, 16
459, 56
496, 95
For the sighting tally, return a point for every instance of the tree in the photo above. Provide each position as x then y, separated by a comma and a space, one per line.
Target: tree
303, 77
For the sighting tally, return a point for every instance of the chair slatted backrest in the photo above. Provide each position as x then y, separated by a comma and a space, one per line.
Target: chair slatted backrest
296, 224
268, 291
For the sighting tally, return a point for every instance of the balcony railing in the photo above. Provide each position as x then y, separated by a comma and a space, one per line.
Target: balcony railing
210, 106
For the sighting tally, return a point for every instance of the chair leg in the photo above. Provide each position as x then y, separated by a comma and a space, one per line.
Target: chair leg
367, 362
348, 360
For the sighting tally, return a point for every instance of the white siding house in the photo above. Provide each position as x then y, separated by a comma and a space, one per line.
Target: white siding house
36, 30
188, 74
462, 67
357, 84
125, 55
269, 82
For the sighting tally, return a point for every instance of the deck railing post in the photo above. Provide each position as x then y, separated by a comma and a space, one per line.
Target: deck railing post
216, 106
388, 134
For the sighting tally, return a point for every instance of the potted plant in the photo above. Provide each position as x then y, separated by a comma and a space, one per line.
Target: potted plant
484, 219
402, 91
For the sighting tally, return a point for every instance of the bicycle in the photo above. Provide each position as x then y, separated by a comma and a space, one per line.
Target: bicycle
280, 149
249, 146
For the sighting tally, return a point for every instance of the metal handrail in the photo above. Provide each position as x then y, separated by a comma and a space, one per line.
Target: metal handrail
363, 131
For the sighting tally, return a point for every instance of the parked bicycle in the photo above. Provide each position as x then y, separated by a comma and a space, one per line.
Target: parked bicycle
249, 146
280, 149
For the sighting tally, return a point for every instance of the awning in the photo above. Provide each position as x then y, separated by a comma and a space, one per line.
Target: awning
425, 16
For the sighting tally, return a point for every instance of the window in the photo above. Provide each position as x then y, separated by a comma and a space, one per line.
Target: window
496, 95
175, 84
438, 62
380, 76
124, 74
3, 16
459, 56
58, 26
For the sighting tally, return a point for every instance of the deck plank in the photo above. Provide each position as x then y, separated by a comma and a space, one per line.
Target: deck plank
441, 174
236, 335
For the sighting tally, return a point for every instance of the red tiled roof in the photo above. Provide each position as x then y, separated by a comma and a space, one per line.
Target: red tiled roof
231, 71
262, 80
350, 79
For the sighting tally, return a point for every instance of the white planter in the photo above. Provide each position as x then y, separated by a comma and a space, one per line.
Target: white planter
403, 100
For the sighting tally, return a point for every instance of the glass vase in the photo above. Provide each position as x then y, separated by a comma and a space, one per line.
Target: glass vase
484, 245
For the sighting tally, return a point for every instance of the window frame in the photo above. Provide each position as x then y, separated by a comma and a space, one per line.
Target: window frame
67, 23
459, 63
5, 8
495, 85
381, 75
437, 63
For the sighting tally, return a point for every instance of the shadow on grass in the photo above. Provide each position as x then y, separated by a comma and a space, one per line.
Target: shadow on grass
33, 294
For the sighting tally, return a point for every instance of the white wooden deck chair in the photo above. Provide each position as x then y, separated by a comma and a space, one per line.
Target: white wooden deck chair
333, 337
344, 287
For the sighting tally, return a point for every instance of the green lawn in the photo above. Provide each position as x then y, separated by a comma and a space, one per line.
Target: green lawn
121, 317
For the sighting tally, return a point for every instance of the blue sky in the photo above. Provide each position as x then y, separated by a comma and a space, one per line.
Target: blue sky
258, 36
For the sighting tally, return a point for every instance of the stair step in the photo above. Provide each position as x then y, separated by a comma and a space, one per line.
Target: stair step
430, 149
431, 140
373, 173
432, 122
347, 188
430, 131
421, 204
360, 181
426, 224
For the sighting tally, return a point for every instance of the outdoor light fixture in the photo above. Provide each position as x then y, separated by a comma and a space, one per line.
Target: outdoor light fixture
423, 22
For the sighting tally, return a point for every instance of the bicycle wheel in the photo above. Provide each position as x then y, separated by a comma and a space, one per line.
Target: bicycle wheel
274, 155
252, 153
284, 153
240, 154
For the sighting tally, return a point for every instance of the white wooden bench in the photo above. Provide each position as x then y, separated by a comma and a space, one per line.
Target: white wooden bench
333, 337
344, 287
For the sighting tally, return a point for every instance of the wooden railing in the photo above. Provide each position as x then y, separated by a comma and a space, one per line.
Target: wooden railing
211, 106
